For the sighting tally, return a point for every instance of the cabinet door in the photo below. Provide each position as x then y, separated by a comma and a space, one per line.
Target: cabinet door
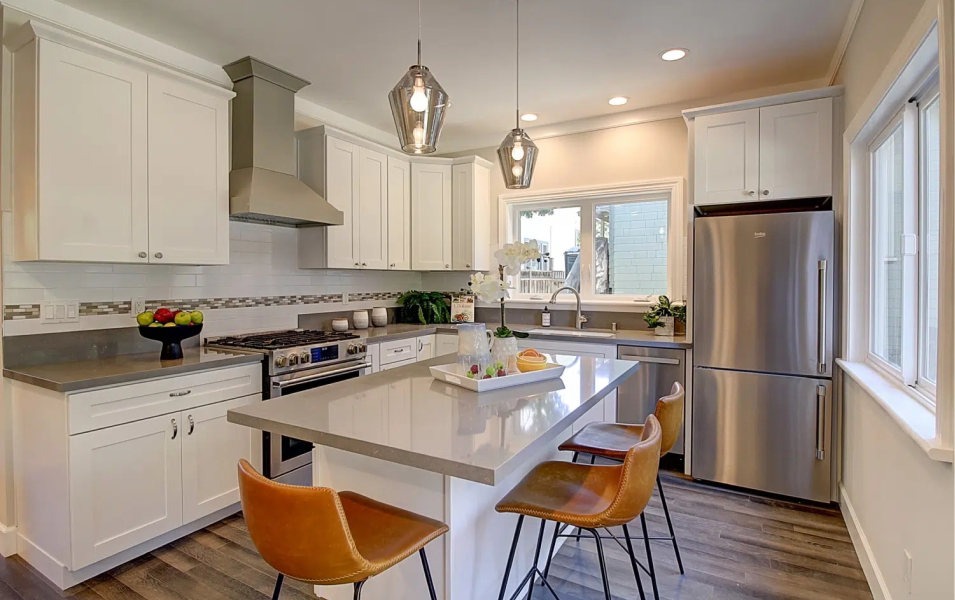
399, 214
125, 486
795, 150
726, 155
396, 365
341, 190
425, 347
371, 220
188, 175
445, 343
211, 449
431, 217
462, 213
92, 177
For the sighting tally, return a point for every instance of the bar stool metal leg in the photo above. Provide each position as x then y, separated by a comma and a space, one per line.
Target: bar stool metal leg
666, 511
646, 541
358, 586
603, 563
633, 561
553, 544
510, 557
427, 574
278, 586
537, 555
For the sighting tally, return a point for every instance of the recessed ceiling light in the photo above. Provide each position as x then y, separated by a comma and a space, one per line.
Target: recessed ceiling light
674, 54
619, 100
528, 117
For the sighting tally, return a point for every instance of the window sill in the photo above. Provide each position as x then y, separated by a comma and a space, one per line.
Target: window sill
566, 301
917, 421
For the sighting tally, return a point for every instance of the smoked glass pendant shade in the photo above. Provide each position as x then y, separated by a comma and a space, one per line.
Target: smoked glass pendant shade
517, 156
418, 104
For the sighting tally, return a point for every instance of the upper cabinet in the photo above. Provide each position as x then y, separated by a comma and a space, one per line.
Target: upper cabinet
773, 152
431, 216
113, 160
399, 214
470, 214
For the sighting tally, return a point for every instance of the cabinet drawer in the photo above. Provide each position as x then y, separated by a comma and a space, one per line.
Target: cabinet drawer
126, 403
396, 365
399, 350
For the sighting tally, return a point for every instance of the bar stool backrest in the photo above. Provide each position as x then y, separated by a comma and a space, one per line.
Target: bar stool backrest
300, 531
669, 411
638, 476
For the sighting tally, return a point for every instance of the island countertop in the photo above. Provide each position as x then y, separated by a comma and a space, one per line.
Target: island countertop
406, 417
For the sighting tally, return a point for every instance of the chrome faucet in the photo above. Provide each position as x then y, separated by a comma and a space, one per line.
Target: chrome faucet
581, 319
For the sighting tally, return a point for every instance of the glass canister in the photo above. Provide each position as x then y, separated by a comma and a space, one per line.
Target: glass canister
474, 356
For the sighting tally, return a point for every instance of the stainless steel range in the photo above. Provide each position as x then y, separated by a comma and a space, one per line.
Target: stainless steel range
297, 360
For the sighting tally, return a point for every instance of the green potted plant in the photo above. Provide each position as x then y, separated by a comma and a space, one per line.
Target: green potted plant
426, 308
662, 316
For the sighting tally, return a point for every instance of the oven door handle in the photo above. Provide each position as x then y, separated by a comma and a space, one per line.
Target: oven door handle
284, 384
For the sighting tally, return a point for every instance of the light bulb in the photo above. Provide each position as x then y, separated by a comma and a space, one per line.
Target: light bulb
517, 152
419, 100
418, 134
517, 170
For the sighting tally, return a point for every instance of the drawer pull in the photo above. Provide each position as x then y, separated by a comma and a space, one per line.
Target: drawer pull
399, 350
192, 425
175, 429
179, 394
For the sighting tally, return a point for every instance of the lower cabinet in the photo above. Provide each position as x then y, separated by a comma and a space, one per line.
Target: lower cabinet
446, 343
426, 347
133, 482
396, 365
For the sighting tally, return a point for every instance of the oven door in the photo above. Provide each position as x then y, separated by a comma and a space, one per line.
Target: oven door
283, 454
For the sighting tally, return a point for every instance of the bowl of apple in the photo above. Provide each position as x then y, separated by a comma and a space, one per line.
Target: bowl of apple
170, 327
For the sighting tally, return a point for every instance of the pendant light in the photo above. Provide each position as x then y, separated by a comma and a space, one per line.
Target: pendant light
517, 153
418, 104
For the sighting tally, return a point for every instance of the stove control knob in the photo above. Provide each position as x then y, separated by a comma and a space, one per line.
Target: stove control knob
280, 361
362, 348
352, 349
304, 357
292, 360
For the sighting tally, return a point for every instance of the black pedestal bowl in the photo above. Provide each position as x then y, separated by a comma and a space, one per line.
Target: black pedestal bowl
171, 338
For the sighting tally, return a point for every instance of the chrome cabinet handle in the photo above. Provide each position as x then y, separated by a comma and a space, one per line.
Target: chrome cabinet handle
399, 350
192, 425
142, 255
158, 255
468, 265
175, 429
420, 346
751, 193
820, 422
179, 394
447, 266
765, 192
821, 317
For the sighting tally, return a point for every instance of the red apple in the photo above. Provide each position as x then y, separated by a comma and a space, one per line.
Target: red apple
164, 315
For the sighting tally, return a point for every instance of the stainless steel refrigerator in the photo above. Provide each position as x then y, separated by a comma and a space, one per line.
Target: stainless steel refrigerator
762, 345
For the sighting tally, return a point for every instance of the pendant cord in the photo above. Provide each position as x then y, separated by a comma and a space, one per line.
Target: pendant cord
419, 33
517, 116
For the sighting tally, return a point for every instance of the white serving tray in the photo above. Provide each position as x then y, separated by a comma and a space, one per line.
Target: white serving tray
449, 374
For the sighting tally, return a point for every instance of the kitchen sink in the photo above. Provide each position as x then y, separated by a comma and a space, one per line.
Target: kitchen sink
572, 333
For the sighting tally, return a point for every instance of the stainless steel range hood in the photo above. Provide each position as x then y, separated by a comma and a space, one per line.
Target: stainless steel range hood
262, 185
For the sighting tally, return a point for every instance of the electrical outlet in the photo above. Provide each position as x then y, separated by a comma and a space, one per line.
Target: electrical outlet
138, 306
907, 570
60, 311
344, 297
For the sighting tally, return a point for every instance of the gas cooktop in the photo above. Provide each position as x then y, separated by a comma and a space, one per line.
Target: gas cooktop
280, 340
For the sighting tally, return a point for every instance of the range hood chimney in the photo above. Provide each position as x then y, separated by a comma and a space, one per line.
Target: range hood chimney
262, 185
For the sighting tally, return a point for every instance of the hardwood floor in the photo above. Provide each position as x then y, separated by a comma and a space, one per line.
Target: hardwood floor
734, 546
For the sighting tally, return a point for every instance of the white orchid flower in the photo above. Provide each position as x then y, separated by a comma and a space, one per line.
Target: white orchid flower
488, 288
512, 256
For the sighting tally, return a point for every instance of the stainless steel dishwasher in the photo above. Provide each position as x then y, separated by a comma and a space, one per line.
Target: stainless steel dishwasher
659, 368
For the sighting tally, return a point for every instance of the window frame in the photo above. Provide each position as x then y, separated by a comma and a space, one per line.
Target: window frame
588, 198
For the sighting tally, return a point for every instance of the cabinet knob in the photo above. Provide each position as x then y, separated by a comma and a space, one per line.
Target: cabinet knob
175, 429
158, 255
751, 193
357, 264
142, 255
392, 265
765, 192
364, 264
447, 266
468, 265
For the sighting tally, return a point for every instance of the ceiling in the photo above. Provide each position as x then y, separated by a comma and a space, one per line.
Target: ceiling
575, 54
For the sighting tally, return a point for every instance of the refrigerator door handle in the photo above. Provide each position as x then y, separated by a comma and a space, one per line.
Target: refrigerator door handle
821, 317
820, 422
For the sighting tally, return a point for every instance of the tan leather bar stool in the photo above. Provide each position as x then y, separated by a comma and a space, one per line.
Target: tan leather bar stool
320, 536
613, 441
587, 497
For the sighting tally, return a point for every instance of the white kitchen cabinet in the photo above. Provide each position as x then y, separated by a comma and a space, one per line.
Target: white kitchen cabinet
425, 347
371, 220
772, 152
727, 157
399, 214
211, 447
340, 167
399, 364
374, 353
401, 350
471, 214
113, 162
188, 143
795, 150
125, 486
446, 343
431, 216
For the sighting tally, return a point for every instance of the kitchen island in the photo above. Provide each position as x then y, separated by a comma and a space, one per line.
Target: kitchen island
447, 453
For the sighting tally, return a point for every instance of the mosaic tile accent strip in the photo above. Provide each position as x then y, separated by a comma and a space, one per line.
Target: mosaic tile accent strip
91, 309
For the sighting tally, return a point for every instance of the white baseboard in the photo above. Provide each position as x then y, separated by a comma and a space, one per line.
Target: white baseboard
8, 540
870, 567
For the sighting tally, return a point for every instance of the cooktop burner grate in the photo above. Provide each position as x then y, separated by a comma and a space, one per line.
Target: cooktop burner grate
278, 340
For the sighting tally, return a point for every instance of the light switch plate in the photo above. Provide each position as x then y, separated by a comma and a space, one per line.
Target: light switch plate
59, 311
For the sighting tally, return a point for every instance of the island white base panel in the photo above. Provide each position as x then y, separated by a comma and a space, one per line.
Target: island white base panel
466, 564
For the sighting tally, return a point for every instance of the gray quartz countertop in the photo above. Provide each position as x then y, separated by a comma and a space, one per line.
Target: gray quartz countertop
129, 368
406, 417
621, 337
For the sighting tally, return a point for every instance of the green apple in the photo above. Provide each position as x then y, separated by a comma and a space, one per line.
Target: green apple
169, 325
155, 324
196, 317
183, 318
145, 318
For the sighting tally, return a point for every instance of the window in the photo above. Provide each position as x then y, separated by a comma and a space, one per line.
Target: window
904, 240
620, 244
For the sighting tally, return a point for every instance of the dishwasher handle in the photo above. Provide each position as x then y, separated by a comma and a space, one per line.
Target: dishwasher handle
650, 359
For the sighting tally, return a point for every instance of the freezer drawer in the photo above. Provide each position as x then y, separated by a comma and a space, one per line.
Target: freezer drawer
764, 432
659, 369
